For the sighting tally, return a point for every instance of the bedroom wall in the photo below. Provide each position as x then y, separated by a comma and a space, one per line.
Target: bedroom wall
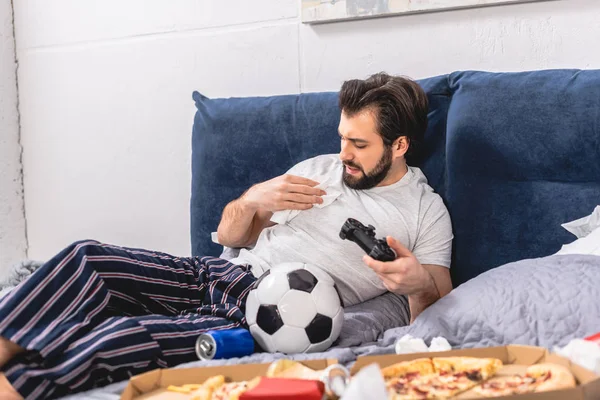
13, 244
106, 107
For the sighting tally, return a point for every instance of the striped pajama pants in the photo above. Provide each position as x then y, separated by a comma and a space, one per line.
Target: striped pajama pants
98, 313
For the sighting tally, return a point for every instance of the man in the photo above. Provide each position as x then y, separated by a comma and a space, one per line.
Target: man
98, 313
382, 120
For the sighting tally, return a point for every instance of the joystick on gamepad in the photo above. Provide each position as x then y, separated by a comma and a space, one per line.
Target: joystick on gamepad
364, 236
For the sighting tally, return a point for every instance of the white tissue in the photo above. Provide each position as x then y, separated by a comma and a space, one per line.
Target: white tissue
281, 217
408, 344
584, 226
439, 344
582, 352
366, 384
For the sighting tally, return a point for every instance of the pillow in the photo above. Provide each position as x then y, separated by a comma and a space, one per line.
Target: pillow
584, 226
587, 229
237, 142
539, 302
522, 157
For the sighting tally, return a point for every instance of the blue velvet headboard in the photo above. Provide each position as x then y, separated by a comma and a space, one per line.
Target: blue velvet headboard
513, 155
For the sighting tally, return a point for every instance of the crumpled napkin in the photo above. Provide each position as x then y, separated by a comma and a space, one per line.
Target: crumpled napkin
281, 217
582, 352
366, 384
408, 344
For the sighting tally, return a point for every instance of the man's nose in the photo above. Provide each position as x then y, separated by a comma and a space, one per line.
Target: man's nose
345, 153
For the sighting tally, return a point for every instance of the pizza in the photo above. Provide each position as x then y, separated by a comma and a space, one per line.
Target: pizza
232, 390
434, 378
448, 377
215, 388
422, 378
537, 378
476, 369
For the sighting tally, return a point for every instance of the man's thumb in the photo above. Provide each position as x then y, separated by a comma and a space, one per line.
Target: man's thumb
398, 247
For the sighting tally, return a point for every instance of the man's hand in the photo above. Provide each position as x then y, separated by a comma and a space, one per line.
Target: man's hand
422, 284
405, 275
285, 192
245, 218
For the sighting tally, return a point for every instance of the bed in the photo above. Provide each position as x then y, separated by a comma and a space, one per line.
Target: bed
544, 301
513, 155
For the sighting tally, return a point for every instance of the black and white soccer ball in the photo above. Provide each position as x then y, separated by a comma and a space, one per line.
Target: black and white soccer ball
294, 308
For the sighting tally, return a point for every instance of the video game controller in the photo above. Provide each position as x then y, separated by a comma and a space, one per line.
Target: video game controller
364, 236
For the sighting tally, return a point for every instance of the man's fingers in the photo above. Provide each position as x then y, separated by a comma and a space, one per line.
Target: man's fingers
384, 274
304, 189
291, 205
390, 285
399, 248
300, 180
302, 198
377, 266
389, 279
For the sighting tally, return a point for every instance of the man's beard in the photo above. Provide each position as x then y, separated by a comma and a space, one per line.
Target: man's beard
373, 178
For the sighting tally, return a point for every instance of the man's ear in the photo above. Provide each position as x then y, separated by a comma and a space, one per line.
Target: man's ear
400, 146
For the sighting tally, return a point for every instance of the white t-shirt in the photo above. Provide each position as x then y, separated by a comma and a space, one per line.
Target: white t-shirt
407, 210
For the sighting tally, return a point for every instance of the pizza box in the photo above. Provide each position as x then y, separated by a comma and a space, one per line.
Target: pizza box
153, 385
515, 359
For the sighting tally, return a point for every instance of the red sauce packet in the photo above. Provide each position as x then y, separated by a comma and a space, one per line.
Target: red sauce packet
285, 389
594, 338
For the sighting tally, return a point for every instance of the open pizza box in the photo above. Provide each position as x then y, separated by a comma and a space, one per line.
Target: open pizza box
515, 358
153, 385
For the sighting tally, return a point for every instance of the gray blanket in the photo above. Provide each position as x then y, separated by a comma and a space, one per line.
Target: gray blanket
540, 302
544, 302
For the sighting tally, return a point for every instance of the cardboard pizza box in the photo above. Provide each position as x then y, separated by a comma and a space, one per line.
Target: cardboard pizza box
515, 358
153, 385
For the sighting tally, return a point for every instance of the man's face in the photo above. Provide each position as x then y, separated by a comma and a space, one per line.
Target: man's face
366, 159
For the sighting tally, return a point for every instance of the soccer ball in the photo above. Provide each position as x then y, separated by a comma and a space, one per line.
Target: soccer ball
294, 308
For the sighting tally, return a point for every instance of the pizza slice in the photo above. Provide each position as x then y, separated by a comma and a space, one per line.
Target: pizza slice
398, 376
233, 390
474, 368
435, 378
438, 386
551, 377
537, 378
417, 367
215, 388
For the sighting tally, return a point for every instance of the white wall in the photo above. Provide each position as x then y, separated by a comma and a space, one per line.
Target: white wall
13, 244
106, 86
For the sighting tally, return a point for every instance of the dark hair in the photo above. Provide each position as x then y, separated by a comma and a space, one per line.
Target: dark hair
399, 103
